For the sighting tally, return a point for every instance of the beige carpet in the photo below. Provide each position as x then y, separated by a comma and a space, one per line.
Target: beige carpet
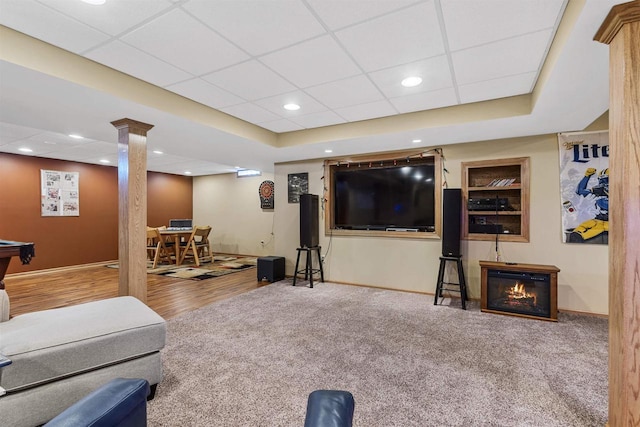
252, 360
221, 266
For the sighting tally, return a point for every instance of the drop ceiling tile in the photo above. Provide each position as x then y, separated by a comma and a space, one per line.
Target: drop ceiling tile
72, 154
346, 92
113, 17
250, 112
258, 27
205, 93
58, 139
44, 23
211, 169
157, 159
501, 19
10, 132
500, 59
98, 148
398, 38
174, 168
497, 88
154, 159
251, 80
279, 126
312, 62
197, 168
111, 160
186, 43
425, 100
339, 13
38, 147
307, 104
435, 74
367, 111
324, 118
129, 60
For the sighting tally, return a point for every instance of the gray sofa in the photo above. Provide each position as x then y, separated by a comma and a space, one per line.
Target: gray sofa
60, 355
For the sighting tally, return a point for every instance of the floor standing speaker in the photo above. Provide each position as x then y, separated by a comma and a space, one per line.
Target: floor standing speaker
309, 230
451, 219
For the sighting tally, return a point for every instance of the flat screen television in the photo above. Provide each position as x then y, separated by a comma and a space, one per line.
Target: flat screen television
392, 198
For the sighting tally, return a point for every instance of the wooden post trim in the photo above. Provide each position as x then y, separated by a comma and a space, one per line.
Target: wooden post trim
621, 31
133, 126
132, 207
618, 16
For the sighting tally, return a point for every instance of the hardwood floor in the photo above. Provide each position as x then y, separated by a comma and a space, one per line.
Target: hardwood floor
168, 296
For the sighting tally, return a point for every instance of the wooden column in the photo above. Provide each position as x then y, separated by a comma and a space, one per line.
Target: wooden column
132, 207
621, 31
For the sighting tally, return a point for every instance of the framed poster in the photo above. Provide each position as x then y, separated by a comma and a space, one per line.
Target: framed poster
584, 186
297, 184
59, 195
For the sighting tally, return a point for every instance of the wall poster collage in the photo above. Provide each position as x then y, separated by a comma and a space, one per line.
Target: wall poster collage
584, 186
59, 193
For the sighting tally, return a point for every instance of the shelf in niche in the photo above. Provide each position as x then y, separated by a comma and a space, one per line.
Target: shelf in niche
494, 213
508, 187
476, 177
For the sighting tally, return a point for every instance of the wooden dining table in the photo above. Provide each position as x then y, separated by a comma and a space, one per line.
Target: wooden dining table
177, 236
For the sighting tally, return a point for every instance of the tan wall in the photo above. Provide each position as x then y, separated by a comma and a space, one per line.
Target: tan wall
231, 206
90, 237
412, 265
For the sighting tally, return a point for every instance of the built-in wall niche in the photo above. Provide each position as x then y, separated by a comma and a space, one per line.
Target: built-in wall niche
392, 195
496, 200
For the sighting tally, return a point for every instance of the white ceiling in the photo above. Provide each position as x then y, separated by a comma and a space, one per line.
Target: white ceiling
341, 60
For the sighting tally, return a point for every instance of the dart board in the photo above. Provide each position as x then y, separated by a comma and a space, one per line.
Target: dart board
266, 195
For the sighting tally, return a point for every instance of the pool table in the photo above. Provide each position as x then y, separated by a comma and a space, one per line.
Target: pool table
10, 249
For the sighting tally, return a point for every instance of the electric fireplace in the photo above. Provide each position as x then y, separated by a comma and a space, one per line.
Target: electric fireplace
525, 290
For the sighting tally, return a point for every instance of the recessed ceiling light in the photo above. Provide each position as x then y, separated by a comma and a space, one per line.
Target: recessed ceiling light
291, 107
104, 161
237, 167
95, 2
187, 172
415, 141
157, 152
76, 136
411, 81
25, 150
328, 151
50, 142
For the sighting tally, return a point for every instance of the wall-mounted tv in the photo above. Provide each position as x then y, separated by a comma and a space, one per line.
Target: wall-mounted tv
390, 198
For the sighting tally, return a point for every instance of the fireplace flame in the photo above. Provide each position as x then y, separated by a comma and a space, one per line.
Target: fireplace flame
518, 292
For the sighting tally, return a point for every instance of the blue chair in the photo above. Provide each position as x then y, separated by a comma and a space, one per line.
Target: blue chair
119, 403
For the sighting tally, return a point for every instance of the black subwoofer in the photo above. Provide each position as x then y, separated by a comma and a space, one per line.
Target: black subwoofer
271, 268
309, 227
451, 220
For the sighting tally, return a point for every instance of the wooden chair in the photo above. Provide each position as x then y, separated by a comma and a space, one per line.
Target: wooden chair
156, 246
199, 245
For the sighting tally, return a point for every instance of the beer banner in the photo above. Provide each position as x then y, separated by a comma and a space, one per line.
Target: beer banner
584, 186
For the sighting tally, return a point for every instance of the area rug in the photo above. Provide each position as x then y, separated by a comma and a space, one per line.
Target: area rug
221, 266
252, 360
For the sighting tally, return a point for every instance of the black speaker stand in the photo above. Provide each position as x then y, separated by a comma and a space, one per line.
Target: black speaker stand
308, 270
440, 286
